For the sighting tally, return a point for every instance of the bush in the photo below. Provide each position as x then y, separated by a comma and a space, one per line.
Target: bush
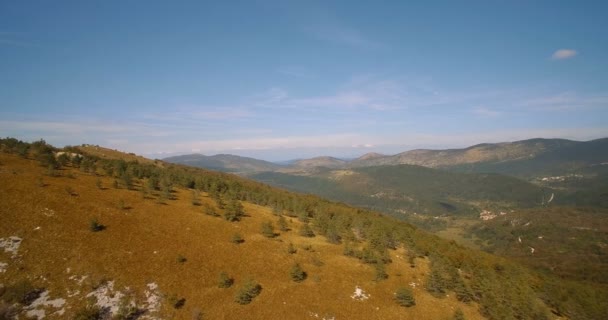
458, 315
247, 292
268, 229
237, 239
380, 272
89, 313
95, 226
283, 224
225, 281
297, 274
405, 297
291, 249
306, 231
22, 292
234, 211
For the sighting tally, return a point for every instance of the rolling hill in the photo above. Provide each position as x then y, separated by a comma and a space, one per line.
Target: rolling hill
92, 238
224, 162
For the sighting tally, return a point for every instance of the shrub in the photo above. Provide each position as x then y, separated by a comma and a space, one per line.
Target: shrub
237, 238
405, 297
22, 292
268, 229
380, 272
291, 249
210, 210
176, 302
296, 273
458, 315
247, 292
225, 281
282, 224
95, 226
306, 231
181, 259
89, 313
234, 211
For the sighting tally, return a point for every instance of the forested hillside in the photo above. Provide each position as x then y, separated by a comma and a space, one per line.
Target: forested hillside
215, 245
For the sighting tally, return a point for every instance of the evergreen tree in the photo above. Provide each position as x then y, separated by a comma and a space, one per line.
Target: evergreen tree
225, 281
247, 292
296, 273
268, 230
234, 211
405, 297
458, 315
283, 224
380, 271
306, 231
435, 284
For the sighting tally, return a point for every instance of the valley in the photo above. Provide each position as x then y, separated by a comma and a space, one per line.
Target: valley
116, 236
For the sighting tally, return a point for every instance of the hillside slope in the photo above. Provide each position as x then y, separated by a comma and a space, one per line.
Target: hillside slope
224, 162
75, 233
487, 152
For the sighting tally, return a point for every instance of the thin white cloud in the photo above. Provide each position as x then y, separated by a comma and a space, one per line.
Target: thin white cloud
343, 35
562, 54
566, 101
485, 112
296, 71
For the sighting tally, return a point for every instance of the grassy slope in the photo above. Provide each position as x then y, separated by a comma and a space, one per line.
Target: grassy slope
125, 252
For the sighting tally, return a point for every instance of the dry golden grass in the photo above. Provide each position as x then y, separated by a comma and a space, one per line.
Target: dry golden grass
143, 242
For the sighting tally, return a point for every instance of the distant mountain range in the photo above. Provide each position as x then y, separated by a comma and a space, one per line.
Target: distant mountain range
533, 157
225, 162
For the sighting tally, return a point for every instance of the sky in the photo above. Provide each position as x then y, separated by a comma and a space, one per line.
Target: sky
280, 80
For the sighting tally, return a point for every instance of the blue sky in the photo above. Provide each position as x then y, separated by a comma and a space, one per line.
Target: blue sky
287, 79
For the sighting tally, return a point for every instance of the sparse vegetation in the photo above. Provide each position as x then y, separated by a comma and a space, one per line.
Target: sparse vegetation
95, 226
405, 297
234, 211
296, 273
237, 238
306, 231
90, 312
225, 281
267, 229
291, 249
374, 239
247, 292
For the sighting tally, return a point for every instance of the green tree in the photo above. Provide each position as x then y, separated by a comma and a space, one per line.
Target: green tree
237, 238
249, 290
225, 281
296, 273
435, 283
458, 315
268, 229
283, 224
380, 271
306, 231
405, 297
234, 211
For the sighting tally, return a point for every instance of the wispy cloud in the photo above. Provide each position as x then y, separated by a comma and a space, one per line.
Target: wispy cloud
15, 39
296, 71
343, 35
563, 54
566, 101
